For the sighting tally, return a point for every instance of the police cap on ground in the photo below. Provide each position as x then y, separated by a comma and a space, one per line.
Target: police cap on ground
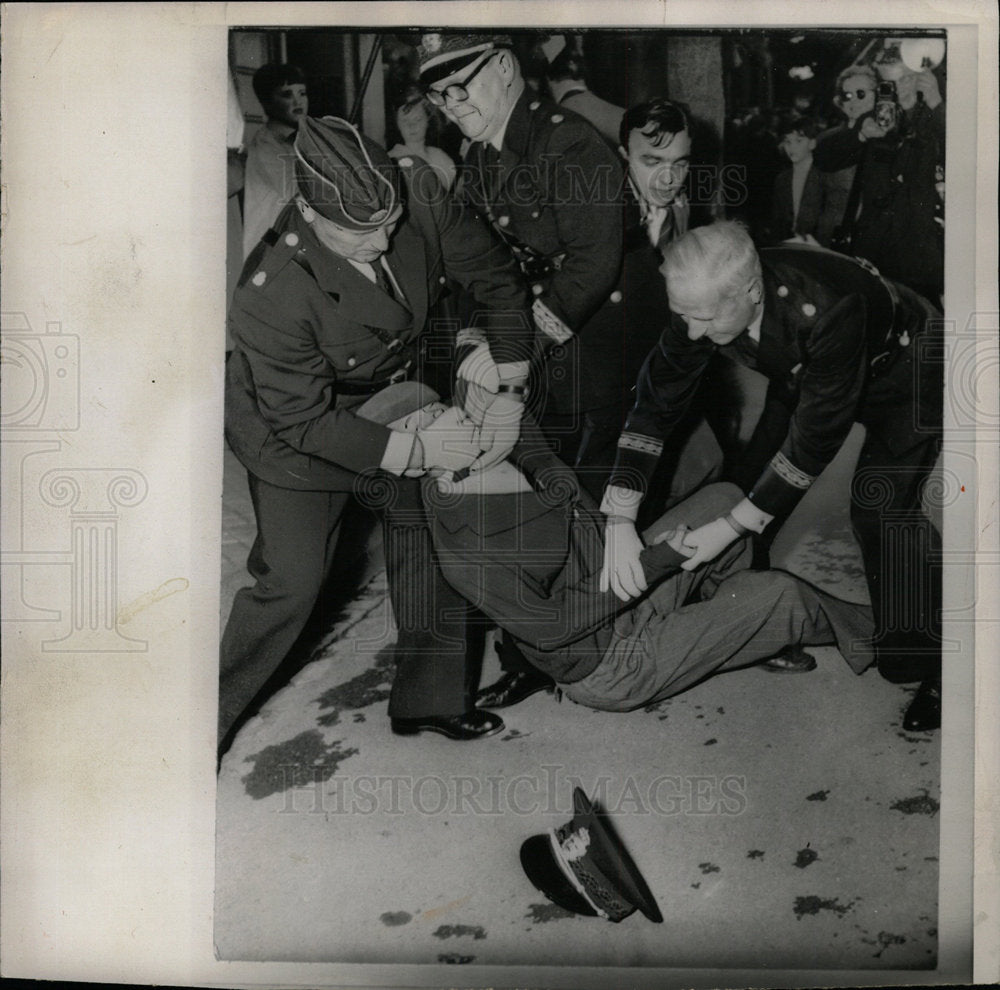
584, 867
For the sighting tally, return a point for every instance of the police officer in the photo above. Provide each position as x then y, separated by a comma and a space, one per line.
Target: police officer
550, 186
328, 314
838, 344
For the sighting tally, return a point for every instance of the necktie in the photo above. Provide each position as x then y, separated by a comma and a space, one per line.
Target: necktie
382, 278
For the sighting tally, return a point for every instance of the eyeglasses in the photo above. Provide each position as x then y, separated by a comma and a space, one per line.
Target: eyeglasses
858, 94
458, 92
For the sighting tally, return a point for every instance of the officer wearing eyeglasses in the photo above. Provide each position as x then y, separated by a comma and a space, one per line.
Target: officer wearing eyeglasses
550, 186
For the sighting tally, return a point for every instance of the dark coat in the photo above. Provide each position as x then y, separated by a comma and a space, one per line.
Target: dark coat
532, 562
305, 321
556, 190
900, 224
824, 348
784, 221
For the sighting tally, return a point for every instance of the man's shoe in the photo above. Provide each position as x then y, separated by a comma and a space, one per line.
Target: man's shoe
472, 725
512, 688
793, 660
924, 713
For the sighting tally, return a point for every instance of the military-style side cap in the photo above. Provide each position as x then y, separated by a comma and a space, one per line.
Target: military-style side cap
439, 55
344, 176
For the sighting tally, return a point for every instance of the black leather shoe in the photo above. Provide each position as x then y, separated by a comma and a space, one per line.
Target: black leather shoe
471, 725
792, 660
512, 688
924, 713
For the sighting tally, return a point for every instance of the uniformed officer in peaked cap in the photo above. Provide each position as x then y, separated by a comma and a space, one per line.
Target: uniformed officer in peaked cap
839, 344
327, 316
551, 188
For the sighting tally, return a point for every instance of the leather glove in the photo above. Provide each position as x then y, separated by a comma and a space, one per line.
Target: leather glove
708, 542
450, 442
622, 571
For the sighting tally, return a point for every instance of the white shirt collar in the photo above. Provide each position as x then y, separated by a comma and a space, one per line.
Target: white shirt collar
754, 328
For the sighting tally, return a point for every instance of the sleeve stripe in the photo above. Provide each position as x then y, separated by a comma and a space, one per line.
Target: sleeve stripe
549, 323
640, 443
789, 473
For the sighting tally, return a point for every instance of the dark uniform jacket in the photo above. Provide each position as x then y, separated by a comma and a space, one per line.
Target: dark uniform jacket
312, 333
835, 348
900, 224
554, 192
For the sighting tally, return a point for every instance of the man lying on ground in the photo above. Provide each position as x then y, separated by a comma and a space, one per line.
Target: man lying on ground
525, 544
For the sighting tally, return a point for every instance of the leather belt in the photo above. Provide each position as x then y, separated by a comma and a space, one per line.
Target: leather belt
370, 388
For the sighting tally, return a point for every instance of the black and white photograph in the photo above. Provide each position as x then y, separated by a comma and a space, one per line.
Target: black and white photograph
518, 511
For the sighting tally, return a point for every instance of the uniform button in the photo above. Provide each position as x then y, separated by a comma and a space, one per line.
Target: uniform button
535, 214
406, 162
534, 105
504, 221
260, 278
557, 118
899, 178
443, 279
537, 288
351, 362
616, 296
291, 239
782, 291
809, 309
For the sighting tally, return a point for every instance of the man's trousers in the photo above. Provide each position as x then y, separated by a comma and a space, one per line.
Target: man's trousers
290, 561
719, 617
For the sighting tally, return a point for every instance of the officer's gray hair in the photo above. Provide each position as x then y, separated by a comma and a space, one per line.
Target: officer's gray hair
721, 253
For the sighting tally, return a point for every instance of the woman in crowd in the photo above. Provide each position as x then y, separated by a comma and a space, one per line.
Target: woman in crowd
415, 128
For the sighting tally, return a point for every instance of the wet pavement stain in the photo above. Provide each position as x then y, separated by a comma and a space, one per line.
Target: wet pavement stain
806, 857
368, 688
459, 931
711, 742
817, 796
922, 805
359, 717
755, 854
707, 868
811, 904
885, 939
539, 914
454, 958
394, 918
696, 885
305, 759
514, 734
